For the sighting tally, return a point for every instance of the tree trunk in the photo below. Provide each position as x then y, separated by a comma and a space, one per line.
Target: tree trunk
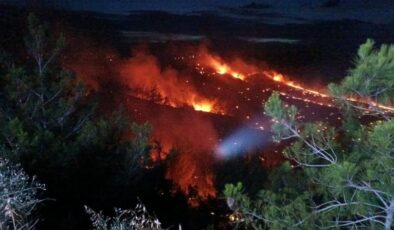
389, 216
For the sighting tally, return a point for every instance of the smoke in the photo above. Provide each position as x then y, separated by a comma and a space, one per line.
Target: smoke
93, 63
192, 168
193, 137
243, 140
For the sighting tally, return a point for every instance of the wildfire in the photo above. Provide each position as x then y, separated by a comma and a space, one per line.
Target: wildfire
144, 77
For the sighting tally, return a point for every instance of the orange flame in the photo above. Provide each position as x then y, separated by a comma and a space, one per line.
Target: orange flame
203, 107
280, 78
222, 68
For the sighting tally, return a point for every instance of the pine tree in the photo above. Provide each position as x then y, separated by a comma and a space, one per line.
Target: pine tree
51, 125
336, 176
131, 219
18, 197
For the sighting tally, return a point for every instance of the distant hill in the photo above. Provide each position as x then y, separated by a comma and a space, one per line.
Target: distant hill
355, 3
323, 3
254, 5
331, 3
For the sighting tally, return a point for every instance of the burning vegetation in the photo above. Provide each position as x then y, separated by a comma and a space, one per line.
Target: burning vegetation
204, 82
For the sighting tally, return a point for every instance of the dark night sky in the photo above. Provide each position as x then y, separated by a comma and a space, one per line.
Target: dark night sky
119, 6
376, 11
